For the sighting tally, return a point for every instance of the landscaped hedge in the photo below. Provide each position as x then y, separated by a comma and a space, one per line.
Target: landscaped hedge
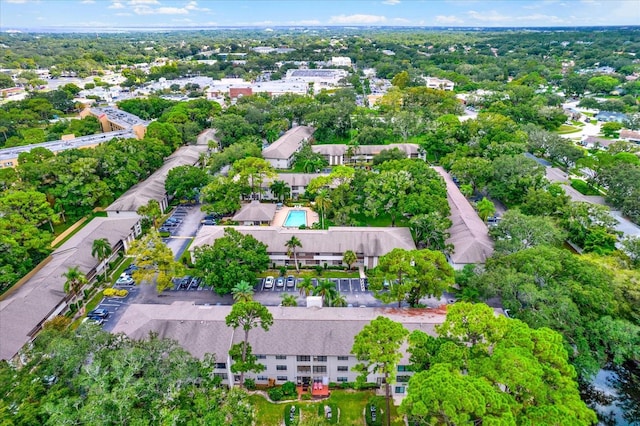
369, 417
287, 415
112, 292
334, 412
583, 187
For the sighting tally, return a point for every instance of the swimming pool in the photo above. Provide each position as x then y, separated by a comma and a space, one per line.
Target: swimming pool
296, 218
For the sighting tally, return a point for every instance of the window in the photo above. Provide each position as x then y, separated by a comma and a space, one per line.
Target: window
343, 368
262, 378
304, 369
319, 359
403, 379
223, 376
303, 358
281, 357
319, 368
282, 378
404, 368
221, 365
342, 379
281, 367
399, 389
343, 358
261, 356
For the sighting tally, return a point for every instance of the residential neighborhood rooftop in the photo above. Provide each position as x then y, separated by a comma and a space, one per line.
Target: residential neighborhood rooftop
288, 143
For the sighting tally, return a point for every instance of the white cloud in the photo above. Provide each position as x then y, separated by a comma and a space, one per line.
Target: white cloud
401, 20
391, 2
88, 1
448, 19
146, 10
498, 18
357, 19
139, 2
17, 1
116, 5
123, 14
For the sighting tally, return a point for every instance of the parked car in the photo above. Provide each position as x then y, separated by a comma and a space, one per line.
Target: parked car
279, 282
184, 282
291, 282
98, 313
125, 279
209, 222
93, 320
268, 282
194, 283
131, 269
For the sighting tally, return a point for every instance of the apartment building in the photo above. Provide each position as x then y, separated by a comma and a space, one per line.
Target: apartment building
338, 154
280, 154
439, 83
306, 346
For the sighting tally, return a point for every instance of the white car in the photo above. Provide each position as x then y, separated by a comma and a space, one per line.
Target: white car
125, 280
268, 282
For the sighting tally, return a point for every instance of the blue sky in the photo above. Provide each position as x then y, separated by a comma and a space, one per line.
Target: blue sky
95, 14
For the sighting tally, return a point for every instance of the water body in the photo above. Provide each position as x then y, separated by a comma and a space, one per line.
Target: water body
615, 394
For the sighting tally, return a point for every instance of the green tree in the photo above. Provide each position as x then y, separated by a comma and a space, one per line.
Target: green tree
280, 189
377, 348
221, 195
185, 182
387, 193
513, 176
485, 208
292, 244
233, 258
242, 292
349, 258
401, 80
305, 287
431, 230
517, 231
74, 282
101, 249
252, 172
409, 275
155, 261
602, 84
288, 300
322, 202
247, 316
327, 290
151, 211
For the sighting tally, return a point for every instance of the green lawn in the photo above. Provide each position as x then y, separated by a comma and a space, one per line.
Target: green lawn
351, 405
383, 220
565, 129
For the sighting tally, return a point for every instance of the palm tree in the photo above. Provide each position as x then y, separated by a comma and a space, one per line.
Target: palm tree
322, 202
485, 209
305, 287
338, 301
289, 300
352, 150
326, 289
291, 245
101, 249
280, 189
242, 292
75, 281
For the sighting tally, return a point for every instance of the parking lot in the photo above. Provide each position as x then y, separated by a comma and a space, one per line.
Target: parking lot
343, 285
116, 305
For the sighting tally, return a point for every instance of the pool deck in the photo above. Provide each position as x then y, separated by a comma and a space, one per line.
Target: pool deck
281, 215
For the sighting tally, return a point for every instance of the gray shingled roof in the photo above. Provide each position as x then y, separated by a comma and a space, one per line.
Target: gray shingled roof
294, 179
341, 149
369, 241
256, 211
27, 306
288, 143
295, 330
152, 188
469, 235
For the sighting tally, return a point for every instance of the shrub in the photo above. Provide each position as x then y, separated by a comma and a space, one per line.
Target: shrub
289, 419
346, 385
369, 417
318, 269
275, 394
122, 293
306, 397
289, 389
164, 234
583, 187
250, 384
109, 292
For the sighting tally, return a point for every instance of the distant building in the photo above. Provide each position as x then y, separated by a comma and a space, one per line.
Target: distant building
336, 154
113, 119
609, 116
341, 61
630, 135
255, 213
439, 83
281, 153
596, 142
321, 78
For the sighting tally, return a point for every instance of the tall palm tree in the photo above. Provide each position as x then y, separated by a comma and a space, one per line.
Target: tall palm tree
289, 300
75, 281
242, 292
280, 189
326, 289
101, 249
338, 301
291, 245
305, 287
322, 202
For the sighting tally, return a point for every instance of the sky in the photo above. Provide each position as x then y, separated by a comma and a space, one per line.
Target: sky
96, 14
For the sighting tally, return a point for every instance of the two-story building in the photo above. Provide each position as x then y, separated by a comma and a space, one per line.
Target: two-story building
338, 154
280, 154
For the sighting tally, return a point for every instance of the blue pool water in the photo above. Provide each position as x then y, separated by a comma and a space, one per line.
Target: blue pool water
296, 218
